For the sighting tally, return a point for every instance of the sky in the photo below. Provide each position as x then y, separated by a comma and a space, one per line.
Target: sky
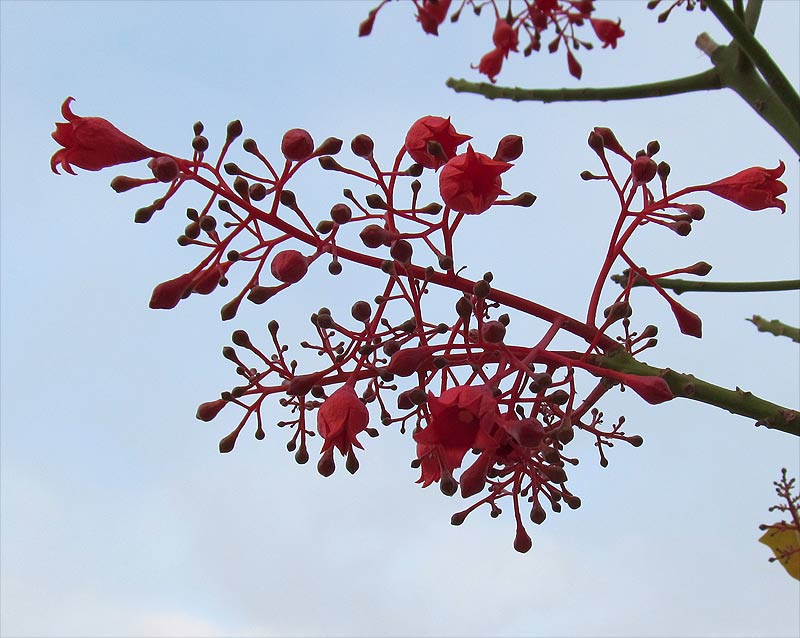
120, 517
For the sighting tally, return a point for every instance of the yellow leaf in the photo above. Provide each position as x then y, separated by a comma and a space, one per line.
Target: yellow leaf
784, 541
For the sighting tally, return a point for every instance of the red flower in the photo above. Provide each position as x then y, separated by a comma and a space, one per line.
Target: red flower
340, 419
461, 419
425, 134
504, 37
607, 31
754, 188
431, 14
470, 183
491, 64
93, 143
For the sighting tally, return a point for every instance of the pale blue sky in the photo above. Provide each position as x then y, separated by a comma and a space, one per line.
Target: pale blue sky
119, 516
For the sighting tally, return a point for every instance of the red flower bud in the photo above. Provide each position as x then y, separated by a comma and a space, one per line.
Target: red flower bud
166, 295
509, 148
573, 65
297, 145
431, 14
643, 169
289, 266
165, 168
470, 183
406, 362
207, 411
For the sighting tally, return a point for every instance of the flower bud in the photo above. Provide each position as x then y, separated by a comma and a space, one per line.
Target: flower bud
209, 410
401, 251
362, 145
509, 148
374, 236
361, 311
341, 213
643, 169
289, 266
122, 183
493, 331
297, 145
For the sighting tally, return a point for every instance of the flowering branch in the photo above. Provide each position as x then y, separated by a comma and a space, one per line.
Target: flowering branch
783, 538
778, 328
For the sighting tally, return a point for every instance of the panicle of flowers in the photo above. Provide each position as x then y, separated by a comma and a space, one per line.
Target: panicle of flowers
645, 199
689, 5
784, 537
553, 20
489, 417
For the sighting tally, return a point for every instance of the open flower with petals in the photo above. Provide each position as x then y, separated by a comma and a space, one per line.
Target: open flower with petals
470, 183
608, 31
492, 63
341, 418
462, 418
755, 188
93, 143
431, 14
505, 37
432, 140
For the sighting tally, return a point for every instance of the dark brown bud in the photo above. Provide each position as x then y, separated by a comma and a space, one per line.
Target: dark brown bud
701, 269
260, 294
165, 169
376, 201
653, 148
445, 262
325, 226
288, 199
401, 251
257, 191
231, 168
341, 213
250, 145
200, 144
509, 148
241, 186
481, 289
362, 145
330, 146
234, 130
197, 127
208, 223
464, 308
144, 214
361, 311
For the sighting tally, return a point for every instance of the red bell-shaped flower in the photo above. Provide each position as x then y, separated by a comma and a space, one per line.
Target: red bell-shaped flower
93, 143
470, 183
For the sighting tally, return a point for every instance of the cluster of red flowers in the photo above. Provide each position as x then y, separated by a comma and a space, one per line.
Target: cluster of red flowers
472, 398
534, 18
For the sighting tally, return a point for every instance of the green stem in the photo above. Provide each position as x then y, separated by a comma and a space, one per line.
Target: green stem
684, 285
704, 81
758, 54
770, 415
750, 86
778, 328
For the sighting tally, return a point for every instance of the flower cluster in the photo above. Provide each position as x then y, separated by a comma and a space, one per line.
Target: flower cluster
556, 20
783, 538
490, 418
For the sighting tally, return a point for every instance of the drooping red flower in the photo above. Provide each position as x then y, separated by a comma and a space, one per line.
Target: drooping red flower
505, 37
462, 418
432, 133
93, 143
491, 64
341, 418
755, 188
470, 183
608, 31
431, 14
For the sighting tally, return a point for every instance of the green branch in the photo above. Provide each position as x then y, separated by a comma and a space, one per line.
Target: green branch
705, 81
767, 414
778, 328
758, 54
684, 285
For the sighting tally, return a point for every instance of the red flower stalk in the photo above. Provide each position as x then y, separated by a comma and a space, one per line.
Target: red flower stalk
461, 419
93, 143
432, 141
607, 31
491, 64
431, 14
470, 183
755, 188
340, 419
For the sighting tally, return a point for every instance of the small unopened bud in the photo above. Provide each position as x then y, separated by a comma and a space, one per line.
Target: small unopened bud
681, 228
200, 144
326, 465
197, 127
376, 201
464, 308
663, 170
448, 485
525, 200
241, 186
144, 214
493, 331
617, 311
481, 289
522, 541
445, 262
555, 473
596, 142
538, 514
297, 145
509, 148
234, 130
122, 183
208, 223
341, 213
289, 266
260, 294
572, 501
325, 226
458, 518
695, 211
288, 198
373, 236
250, 145
362, 145
635, 440
643, 169
165, 169
653, 148
701, 269
401, 251
330, 146
559, 397
361, 311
